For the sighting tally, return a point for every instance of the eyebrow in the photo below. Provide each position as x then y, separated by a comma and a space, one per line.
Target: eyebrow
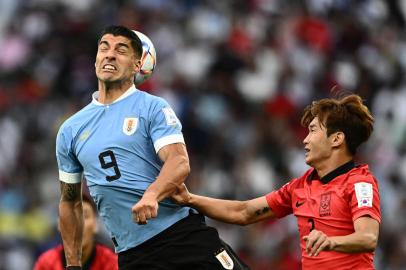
312, 126
120, 44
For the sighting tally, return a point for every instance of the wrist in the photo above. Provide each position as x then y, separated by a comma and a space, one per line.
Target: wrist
191, 200
333, 244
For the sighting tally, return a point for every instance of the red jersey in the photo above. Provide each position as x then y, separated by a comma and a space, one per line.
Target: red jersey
331, 205
102, 258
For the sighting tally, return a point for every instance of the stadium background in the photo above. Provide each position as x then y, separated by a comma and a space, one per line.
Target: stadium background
238, 74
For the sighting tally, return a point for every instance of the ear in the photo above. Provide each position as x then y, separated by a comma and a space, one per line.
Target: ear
137, 66
337, 139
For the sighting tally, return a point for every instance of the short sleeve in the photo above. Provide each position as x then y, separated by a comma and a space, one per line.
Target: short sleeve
70, 170
280, 201
165, 127
364, 197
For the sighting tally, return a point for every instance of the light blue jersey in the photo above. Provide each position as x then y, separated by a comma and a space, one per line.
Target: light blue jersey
115, 148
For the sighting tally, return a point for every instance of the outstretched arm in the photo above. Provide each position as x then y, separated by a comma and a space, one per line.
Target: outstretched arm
229, 211
71, 222
174, 171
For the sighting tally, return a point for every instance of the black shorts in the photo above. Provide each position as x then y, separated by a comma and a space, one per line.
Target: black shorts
188, 244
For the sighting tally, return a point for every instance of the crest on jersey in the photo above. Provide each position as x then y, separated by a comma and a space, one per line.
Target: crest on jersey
325, 203
130, 125
225, 260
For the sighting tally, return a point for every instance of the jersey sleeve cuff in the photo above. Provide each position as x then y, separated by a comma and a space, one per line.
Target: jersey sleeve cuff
70, 178
366, 213
176, 138
272, 205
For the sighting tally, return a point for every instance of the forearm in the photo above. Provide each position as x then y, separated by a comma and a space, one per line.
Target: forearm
71, 226
222, 210
355, 242
172, 175
71, 222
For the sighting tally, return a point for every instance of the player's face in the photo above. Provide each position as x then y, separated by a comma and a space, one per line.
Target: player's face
317, 145
90, 224
115, 59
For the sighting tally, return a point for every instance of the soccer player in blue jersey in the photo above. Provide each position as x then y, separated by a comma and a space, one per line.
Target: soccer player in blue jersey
129, 146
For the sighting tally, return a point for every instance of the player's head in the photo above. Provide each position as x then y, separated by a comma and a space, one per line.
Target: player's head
118, 54
90, 220
336, 123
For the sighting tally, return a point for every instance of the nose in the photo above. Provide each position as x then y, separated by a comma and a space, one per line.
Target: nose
306, 140
110, 54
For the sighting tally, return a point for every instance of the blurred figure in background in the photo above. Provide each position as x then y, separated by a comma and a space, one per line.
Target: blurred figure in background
94, 256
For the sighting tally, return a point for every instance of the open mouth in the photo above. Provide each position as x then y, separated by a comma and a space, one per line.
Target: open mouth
109, 67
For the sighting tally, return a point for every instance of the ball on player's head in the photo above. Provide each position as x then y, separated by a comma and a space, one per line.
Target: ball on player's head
148, 59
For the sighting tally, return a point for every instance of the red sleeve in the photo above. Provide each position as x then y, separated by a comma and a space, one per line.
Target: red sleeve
364, 197
50, 260
280, 201
105, 259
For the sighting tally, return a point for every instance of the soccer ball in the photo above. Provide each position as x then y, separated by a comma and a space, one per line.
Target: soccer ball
148, 59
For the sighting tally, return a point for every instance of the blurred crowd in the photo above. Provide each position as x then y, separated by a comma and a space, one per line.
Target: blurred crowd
238, 73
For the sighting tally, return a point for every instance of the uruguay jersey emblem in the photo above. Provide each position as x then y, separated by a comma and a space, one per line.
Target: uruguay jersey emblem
130, 125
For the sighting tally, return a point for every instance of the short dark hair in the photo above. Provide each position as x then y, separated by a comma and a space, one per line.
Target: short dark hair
347, 114
87, 199
118, 30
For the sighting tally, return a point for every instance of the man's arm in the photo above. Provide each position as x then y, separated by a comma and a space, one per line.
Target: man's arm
229, 211
71, 222
173, 173
364, 239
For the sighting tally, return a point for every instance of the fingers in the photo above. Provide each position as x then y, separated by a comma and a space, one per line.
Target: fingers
320, 240
316, 242
143, 212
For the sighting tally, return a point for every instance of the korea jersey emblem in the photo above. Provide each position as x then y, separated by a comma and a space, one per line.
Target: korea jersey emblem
130, 125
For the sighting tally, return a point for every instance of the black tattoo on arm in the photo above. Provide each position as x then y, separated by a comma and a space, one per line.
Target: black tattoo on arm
70, 192
262, 211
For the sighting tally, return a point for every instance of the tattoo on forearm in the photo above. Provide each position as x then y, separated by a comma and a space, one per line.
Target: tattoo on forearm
262, 211
70, 192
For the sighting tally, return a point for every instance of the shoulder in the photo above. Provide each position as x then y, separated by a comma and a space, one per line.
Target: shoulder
300, 181
105, 252
151, 99
360, 178
50, 257
76, 119
361, 173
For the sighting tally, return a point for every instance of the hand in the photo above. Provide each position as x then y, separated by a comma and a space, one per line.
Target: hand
145, 209
182, 195
317, 241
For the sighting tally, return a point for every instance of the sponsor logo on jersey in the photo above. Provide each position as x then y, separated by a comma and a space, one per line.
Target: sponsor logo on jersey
225, 260
325, 204
85, 134
130, 125
364, 193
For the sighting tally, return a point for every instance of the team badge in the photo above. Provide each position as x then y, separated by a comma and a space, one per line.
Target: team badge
130, 125
225, 260
364, 193
325, 203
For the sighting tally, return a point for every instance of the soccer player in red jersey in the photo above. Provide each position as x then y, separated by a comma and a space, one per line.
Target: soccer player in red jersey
336, 203
94, 256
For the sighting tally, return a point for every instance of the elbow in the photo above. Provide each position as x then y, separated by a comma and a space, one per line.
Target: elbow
371, 243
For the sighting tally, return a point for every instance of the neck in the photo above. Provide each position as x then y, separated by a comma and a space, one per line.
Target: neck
326, 166
109, 92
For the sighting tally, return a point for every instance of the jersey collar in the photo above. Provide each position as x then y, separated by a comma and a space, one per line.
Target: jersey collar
127, 93
334, 173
